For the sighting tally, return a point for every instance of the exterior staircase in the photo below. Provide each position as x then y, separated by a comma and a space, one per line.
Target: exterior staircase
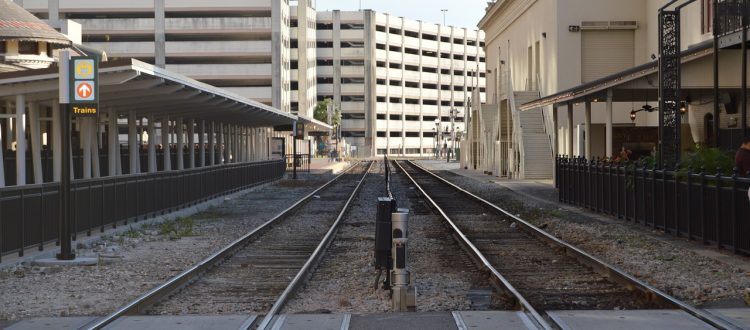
533, 141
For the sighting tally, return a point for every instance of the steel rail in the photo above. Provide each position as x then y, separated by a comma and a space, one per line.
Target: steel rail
313, 260
614, 273
526, 307
188, 276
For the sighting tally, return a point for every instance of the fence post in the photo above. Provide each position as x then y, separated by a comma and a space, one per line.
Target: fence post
734, 210
653, 196
703, 206
717, 211
676, 215
687, 204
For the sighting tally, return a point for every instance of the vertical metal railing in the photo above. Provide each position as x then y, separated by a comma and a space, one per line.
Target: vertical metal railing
701, 204
28, 213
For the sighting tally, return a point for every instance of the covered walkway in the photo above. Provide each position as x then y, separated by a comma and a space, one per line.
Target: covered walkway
161, 142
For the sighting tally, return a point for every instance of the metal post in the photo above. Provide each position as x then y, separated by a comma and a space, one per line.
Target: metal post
294, 151
716, 77
744, 70
570, 130
587, 133
64, 193
608, 138
133, 151
20, 128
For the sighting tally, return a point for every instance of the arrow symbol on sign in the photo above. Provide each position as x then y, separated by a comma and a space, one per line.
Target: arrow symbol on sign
84, 90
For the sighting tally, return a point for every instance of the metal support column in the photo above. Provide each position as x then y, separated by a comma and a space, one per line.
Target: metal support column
202, 142
20, 127
220, 143
133, 153
570, 130
211, 151
36, 142
608, 119
151, 144
167, 159
587, 133
180, 144
113, 147
56, 137
191, 142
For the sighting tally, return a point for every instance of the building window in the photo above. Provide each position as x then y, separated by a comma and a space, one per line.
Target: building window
394, 31
28, 47
394, 48
412, 134
395, 100
353, 62
380, 28
353, 98
411, 68
352, 80
3, 47
380, 46
382, 151
707, 16
381, 116
395, 135
394, 65
381, 64
293, 43
381, 99
294, 65
293, 23
429, 37
395, 83
411, 84
411, 118
352, 26
381, 134
352, 44
324, 26
324, 62
411, 34
294, 85
395, 117
324, 44
353, 116
325, 80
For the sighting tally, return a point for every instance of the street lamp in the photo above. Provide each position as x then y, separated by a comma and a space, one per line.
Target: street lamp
437, 138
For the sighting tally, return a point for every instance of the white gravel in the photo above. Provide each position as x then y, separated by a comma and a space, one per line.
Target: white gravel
138, 260
679, 272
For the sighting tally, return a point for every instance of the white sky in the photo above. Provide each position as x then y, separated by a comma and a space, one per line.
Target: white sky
461, 13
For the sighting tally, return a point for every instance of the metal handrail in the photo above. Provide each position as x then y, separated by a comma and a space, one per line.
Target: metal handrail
184, 278
610, 270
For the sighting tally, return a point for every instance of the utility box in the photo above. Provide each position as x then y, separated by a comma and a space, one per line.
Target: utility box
383, 238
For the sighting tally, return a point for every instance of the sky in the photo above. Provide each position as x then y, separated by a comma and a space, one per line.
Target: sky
461, 13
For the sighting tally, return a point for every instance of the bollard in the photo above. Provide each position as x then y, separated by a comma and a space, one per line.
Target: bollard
403, 294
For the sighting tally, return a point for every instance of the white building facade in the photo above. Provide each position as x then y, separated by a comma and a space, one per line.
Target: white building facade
393, 78
544, 48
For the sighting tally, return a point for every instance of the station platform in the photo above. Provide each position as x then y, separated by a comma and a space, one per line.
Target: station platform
459, 320
323, 166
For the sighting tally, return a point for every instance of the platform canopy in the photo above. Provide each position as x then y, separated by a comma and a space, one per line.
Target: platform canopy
132, 85
314, 125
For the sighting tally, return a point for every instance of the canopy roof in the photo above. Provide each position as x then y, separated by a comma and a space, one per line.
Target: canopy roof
18, 24
132, 85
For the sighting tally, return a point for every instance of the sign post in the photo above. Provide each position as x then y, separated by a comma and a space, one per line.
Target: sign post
79, 96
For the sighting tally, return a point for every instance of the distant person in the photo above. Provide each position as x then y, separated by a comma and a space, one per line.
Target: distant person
742, 159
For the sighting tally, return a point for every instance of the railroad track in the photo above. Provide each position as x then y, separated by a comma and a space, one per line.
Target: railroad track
541, 272
257, 273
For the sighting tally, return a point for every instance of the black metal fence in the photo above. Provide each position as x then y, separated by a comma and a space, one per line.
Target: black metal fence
698, 205
29, 214
303, 162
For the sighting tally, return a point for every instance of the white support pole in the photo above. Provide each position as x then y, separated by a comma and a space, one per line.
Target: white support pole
86, 147
133, 143
56, 138
587, 153
9, 110
180, 144
610, 151
570, 130
36, 142
211, 151
202, 142
191, 142
167, 159
151, 144
220, 143
94, 131
20, 127
113, 145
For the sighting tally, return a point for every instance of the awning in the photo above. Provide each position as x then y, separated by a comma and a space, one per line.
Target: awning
313, 125
132, 85
598, 88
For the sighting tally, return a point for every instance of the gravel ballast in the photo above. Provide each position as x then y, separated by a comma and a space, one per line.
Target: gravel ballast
679, 272
344, 281
135, 261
